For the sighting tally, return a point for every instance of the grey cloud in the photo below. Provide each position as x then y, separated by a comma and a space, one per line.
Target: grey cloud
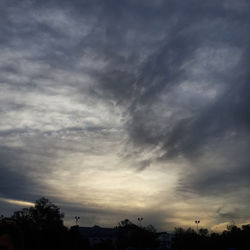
147, 53
15, 184
140, 87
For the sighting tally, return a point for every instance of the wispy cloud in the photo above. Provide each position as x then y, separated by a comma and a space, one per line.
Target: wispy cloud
130, 106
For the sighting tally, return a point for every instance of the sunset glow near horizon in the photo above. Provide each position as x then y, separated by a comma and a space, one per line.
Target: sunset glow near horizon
125, 109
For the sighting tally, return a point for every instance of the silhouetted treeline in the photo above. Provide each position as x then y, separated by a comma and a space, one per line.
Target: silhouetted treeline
41, 228
131, 235
38, 228
232, 238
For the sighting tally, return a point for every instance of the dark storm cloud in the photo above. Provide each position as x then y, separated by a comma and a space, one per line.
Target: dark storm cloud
163, 70
15, 184
139, 85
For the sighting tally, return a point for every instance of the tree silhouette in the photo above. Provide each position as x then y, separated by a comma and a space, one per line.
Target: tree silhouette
131, 235
43, 215
41, 226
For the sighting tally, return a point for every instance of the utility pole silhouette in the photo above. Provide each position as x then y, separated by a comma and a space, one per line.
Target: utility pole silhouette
77, 218
197, 222
140, 219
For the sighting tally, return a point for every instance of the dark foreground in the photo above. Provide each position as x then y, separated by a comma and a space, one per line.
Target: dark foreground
41, 228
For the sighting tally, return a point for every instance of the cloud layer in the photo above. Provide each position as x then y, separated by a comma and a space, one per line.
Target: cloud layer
123, 107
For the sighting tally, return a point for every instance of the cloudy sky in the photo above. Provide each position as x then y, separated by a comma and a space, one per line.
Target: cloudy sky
118, 109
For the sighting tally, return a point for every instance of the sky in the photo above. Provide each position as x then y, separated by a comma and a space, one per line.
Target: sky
127, 108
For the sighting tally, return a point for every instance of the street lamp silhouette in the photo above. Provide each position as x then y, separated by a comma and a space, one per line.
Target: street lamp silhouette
197, 222
140, 220
77, 218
